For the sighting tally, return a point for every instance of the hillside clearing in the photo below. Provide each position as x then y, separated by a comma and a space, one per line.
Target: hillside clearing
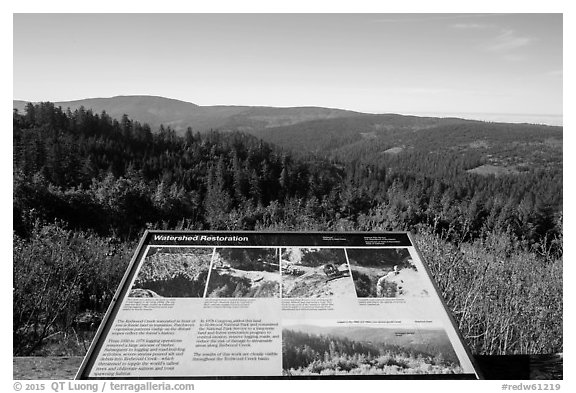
487, 170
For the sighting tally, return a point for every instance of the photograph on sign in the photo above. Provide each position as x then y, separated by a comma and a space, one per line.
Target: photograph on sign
173, 272
315, 273
385, 272
321, 347
244, 272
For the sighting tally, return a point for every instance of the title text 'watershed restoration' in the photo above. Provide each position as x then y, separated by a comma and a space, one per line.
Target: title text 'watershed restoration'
201, 238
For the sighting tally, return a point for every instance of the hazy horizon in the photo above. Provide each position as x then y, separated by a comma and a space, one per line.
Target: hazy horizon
544, 119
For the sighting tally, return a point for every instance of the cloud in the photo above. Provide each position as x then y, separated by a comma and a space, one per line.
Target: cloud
513, 57
394, 18
508, 40
471, 26
555, 73
446, 91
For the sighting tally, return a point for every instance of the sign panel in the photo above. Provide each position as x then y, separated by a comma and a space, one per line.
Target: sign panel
284, 305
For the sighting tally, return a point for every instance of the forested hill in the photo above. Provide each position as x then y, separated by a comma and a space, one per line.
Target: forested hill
408, 142
118, 176
94, 172
179, 115
326, 135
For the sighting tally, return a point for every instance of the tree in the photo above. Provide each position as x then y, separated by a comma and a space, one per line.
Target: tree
217, 202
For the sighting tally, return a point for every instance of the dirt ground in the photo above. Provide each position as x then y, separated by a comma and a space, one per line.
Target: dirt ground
313, 284
36, 367
408, 279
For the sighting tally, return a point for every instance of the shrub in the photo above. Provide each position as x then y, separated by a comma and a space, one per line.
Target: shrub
59, 274
505, 300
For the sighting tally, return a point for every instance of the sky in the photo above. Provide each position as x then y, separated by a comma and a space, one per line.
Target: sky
488, 66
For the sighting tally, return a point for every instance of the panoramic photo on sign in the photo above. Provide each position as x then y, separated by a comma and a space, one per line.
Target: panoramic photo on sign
269, 304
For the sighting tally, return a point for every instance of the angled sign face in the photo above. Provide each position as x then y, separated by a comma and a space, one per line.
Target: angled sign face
277, 305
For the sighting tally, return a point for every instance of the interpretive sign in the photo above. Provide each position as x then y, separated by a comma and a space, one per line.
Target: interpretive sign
270, 304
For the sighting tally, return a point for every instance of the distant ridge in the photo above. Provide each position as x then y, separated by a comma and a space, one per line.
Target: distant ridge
179, 114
